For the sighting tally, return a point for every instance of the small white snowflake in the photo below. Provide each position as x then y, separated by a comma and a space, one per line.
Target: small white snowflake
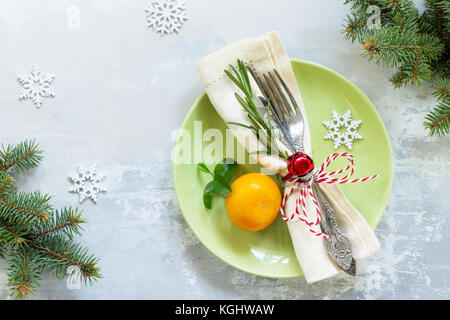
342, 129
87, 183
36, 86
166, 16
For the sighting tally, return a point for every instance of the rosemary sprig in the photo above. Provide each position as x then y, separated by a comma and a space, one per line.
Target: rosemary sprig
263, 130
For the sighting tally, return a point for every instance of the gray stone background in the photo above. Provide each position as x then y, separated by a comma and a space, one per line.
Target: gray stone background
122, 89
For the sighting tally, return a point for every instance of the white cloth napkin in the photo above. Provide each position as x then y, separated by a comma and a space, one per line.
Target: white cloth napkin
264, 53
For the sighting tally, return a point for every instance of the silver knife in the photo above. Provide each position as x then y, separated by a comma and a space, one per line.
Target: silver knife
338, 246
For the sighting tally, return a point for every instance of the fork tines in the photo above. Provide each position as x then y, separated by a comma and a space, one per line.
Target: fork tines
275, 89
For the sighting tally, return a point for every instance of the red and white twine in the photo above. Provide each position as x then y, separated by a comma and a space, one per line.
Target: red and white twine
305, 190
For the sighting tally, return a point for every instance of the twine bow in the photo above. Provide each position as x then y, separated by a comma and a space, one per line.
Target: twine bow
303, 184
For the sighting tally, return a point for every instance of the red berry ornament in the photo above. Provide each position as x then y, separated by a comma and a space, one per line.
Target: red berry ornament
300, 164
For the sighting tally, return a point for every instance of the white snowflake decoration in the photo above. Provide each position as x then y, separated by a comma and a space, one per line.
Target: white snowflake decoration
342, 129
36, 86
166, 16
87, 183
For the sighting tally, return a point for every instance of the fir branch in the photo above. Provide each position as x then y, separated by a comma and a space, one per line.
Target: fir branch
59, 254
21, 157
34, 234
439, 10
355, 27
436, 21
11, 236
2, 251
418, 46
392, 47
399, 79
442, 92
438, 119
411, 73
6, 184
441, 66
401, 13
65, 222
24, 272
444, 7
23, 208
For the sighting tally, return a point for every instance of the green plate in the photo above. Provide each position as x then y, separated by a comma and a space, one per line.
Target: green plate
269, 253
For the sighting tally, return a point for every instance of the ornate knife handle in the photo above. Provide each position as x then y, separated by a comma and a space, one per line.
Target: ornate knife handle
338, 246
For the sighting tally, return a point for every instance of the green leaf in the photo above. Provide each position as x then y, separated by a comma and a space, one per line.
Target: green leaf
234, 79
217, 186
222, 185
238, 77
208, 194
225, 169
203, 168
243, 72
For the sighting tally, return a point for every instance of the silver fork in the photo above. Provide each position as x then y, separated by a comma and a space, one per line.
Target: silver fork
288, 117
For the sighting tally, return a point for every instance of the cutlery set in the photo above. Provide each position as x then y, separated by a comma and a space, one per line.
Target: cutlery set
287, 117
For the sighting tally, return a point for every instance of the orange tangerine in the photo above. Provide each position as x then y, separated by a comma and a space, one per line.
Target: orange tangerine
254, 201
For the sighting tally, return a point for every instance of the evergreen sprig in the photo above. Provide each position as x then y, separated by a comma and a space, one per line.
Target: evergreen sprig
59, 253
20, 157
65, 222
33, 235
263, 130
418, 46
25, 269
438, 120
